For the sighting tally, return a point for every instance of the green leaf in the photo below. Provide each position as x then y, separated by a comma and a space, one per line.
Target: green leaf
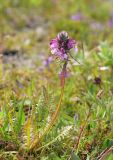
20, 117
108, 143
1, 114
110, 157
75, 157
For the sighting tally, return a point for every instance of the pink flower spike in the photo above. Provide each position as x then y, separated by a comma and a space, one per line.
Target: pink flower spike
61, 45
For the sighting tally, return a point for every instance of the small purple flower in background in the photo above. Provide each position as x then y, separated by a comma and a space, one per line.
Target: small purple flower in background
61, 45
111, 20
76, 117
48, 61
96, 26
77, 17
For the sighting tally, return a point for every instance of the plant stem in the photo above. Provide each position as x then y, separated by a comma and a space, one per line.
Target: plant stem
105, 153
76, 144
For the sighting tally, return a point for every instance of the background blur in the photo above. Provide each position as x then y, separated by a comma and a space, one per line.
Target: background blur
28, 24
30, 85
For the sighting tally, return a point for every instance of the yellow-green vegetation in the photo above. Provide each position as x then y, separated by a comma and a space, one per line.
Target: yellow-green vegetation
39, 119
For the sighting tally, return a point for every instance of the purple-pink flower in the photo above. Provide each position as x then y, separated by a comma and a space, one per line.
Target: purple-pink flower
48, 61
61, 45
77, 17
111, 20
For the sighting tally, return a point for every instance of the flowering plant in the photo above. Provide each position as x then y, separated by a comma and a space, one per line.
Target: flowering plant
60, 47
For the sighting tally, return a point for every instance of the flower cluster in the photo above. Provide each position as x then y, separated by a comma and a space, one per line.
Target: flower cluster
61, 45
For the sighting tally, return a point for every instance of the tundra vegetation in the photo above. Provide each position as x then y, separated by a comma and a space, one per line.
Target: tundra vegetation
56, 80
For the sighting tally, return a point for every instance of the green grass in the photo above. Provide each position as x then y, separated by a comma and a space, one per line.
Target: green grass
31, 127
